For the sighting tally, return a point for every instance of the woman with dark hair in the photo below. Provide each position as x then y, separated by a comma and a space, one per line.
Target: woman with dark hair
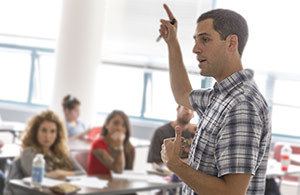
113, 150
76, 128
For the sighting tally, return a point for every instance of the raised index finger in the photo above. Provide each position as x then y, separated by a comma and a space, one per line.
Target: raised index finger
170, 14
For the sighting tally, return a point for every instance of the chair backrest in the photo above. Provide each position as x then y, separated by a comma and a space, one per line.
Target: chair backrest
94, 133
14, 172
81, 157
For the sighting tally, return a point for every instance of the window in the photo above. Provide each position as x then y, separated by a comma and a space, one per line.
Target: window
286, 107
138, 22
15, 67
272, 53
43, 78
161, 103
120, 88
27, 71
30, 18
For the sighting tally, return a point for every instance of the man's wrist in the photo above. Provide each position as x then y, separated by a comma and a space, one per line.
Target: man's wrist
173, 43
175, 164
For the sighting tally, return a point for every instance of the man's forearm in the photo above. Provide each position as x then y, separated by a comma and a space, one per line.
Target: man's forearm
180, 83
200, 182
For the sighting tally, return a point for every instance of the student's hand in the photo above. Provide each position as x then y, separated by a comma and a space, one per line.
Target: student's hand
167, 30
171, 149
58, 174
117, 139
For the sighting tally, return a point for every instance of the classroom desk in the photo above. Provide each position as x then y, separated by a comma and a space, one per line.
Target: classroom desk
9, 151
120, 185
15, 128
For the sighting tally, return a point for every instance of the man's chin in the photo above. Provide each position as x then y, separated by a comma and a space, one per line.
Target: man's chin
203, 73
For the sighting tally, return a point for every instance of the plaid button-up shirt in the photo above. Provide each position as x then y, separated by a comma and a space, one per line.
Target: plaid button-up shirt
234, 131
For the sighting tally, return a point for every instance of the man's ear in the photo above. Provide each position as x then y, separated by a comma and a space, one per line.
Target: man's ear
232, 42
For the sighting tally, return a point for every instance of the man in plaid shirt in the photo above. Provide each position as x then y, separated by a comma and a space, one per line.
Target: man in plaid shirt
230, 149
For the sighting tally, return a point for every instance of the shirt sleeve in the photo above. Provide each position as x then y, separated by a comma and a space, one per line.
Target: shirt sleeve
98, 144
26, 158
238, 142
199, 99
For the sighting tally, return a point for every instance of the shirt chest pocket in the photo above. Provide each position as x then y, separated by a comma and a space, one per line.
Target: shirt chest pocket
205, 139
210, 122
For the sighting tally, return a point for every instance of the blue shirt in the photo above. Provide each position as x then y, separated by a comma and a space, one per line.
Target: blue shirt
234, 132
75, 128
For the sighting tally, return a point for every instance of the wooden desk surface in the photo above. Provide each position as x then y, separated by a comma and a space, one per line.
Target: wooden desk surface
114, 186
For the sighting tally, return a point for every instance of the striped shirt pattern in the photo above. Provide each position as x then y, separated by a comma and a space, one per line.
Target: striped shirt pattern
234, 131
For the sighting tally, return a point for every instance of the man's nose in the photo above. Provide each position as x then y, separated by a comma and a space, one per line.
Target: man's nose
197, 49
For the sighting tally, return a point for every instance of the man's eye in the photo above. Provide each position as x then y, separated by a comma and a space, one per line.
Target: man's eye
205, 39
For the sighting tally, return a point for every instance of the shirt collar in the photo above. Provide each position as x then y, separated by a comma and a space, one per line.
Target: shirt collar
233, 80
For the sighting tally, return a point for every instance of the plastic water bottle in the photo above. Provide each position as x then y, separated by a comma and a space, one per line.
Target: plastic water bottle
285, 155
38, 171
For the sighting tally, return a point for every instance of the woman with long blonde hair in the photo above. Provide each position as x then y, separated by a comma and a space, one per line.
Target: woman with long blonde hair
46, 134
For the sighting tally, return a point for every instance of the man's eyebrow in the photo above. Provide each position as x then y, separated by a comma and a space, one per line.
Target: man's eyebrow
201, 34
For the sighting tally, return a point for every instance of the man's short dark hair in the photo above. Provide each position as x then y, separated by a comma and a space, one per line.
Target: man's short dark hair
227, 22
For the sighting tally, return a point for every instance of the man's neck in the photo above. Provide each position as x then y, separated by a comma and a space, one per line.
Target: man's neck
229, 70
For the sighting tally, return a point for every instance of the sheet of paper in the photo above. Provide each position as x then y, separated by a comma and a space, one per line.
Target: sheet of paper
47, 182
140, 176
87, 181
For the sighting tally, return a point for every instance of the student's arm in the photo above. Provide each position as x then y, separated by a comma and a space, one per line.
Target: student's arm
115, 161
59, 174
26, 158
230, 184
180, 84
62, 174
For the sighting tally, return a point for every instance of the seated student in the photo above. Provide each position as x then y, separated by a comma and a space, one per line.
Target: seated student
113, 150
71, 106
184, 115
45, 134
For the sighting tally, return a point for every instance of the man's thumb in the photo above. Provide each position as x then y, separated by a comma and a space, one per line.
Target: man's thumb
178, 132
